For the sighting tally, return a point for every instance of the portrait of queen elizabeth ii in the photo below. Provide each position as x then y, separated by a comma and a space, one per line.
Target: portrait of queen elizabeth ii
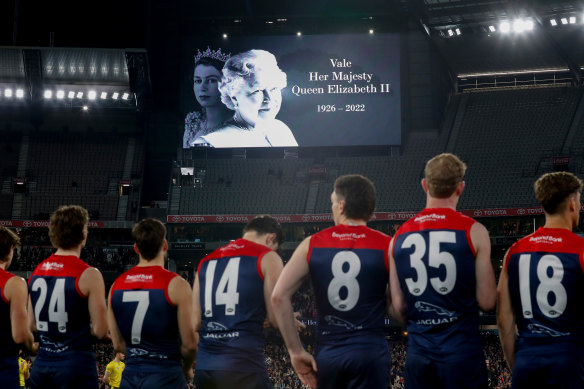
251, 86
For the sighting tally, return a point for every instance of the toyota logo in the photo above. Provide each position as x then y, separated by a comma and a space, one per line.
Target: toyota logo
305, 218
220, 219
478, 213
391, 215
521, 211
175, 218
27, 224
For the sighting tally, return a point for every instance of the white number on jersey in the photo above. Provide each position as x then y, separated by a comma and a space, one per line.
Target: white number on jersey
57, 313
226, 293
346, 279
142, 297
547, 284
436, 258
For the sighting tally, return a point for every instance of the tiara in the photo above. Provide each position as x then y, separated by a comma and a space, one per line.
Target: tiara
215, 54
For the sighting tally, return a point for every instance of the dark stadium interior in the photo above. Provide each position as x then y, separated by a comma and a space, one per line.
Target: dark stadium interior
509, 104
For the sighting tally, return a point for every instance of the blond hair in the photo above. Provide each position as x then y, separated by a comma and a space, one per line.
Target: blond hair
443, 174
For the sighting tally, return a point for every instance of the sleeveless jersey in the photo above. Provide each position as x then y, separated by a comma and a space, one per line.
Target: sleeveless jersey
60, 308
7, 346
435, 263
146, 317
546, 287
349, 272
232, 308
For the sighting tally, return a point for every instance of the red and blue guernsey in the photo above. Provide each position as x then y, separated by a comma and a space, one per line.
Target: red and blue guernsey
146, 317
232, 308
546, 287
8, 349
349, 271
60, 308
435, 261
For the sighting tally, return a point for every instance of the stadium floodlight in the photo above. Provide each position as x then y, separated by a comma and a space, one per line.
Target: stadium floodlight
572, 20
450, 33
7, 92
48, 94
529, 25
60, 94
505, 27
91, 95
20, 93
71, 94
518, 25
564, 20
79, 95
103, 95
553, 22
492, 28
85, 107
125, 96
371, 31
299, 33
457, 31
224, 36
115, 95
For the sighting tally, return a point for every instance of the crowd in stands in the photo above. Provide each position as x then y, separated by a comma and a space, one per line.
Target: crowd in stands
282, 374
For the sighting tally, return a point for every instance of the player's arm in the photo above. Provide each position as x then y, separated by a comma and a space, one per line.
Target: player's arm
289, 281
91, 284
16, 293
396, 305
107, 374
114, 331
271, 265
486, 288
505, 317
197, 322
179, 292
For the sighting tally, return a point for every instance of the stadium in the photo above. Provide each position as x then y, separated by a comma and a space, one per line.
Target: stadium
95, 107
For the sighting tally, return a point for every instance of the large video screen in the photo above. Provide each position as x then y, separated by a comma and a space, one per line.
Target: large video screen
288, 91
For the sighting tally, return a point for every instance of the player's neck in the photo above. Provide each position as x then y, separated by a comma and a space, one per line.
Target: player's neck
562, 221
352, 222
3, 265
450, 202
158, 261
76, 252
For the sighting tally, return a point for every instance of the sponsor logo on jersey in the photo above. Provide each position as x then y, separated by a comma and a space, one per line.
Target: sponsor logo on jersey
338, 322
430, 217
349, 235
539, 329
139, 278
440, 320
52, 266
232, 246
545, 239
423, 306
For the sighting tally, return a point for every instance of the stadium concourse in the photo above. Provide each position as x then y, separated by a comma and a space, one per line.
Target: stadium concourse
371, 89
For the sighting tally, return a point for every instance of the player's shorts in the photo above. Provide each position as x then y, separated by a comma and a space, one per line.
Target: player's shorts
9, 374
356, 366
136, 378
551, 369
468, 372
78, 371
218, 379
